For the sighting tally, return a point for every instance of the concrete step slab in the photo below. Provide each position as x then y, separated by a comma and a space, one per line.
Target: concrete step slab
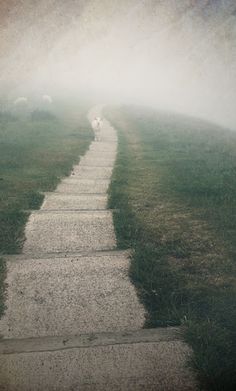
71, 180
86, 172
103, 146
135, 366
97, 154
100, 155
108, 139
70, 296
81, 254
72, 201
69, 231
81, 186
55, 343
99, 162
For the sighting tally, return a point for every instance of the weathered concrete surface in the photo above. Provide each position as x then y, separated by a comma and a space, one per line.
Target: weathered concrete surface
94, 154
70, 295
134, 367
103, 146
74, 201
96, 162
54, 343
66, 231
86, 172
82, 186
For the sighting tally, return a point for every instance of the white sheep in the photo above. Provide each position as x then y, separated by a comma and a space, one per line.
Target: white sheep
47, 98
21, 100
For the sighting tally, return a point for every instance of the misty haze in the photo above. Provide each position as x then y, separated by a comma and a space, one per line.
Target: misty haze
117, 195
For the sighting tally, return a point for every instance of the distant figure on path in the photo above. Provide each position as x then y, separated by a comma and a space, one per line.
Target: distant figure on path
97, 125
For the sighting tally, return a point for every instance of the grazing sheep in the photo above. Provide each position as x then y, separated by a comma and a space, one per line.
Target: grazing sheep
47, 98
21, 100
97, 125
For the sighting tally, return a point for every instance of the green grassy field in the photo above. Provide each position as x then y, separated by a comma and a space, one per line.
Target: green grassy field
174, 188
35, 153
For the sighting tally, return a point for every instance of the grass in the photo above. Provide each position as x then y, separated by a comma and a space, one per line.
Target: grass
174, 186
34, 155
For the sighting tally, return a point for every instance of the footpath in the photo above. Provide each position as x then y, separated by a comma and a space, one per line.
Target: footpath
73, 319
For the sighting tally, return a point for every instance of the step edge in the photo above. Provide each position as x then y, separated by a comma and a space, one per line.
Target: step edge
91, 340
58, 255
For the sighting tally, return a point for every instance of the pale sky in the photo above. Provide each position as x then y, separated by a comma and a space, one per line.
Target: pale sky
173, 54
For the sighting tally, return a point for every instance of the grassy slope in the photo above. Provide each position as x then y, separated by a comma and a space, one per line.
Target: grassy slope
34, 155
175, 188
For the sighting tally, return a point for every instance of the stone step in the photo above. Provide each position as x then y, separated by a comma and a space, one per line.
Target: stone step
104, 138
73, 210
147, 360
70, 295
88, 340
99, 162
106, 147
98, 253
71, 180
64, 231
82, 186
108, 137
103, 146
72, 201
85, 172
95, 154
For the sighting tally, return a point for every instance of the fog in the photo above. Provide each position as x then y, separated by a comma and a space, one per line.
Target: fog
177, 55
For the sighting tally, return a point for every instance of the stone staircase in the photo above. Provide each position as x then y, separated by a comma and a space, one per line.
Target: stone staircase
73, 318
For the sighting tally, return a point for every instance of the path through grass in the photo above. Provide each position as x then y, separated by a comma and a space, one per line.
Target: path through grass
174, 187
